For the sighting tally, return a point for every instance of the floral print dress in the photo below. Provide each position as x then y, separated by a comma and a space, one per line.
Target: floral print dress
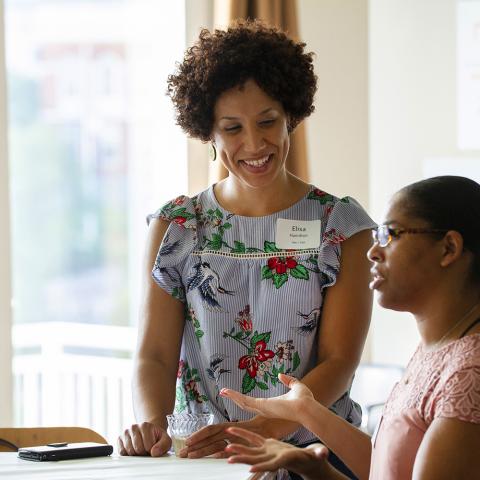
252, 310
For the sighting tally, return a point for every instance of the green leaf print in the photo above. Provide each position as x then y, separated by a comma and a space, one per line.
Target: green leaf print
180, 400
296, 361
322, 197
248, 383
266, 272
181, 212
262, 385
218, 213
260, 336
227, 225
279, 280
216, 242
199, 334
300, 272
270, 247
239, 246
178, 292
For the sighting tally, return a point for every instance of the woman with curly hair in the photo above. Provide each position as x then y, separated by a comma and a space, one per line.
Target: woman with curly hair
261, 273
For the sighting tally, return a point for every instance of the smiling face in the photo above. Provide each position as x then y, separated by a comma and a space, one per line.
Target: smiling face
405, 272
251, 136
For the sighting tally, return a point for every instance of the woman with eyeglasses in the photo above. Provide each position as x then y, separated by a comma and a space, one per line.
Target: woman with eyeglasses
425, 260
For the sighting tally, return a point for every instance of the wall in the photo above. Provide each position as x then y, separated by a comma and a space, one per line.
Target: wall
199, 14
337, 31
412, 118
337, 132
386, 103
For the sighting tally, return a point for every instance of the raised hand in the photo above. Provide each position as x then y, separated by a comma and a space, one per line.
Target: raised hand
144, 439
287, 406
268, 455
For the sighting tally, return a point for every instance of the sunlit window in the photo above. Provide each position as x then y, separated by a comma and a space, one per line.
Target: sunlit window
93, 149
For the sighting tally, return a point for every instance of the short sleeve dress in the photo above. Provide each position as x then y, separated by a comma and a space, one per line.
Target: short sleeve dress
252, 310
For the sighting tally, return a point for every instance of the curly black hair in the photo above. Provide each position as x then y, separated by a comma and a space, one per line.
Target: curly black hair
225, 59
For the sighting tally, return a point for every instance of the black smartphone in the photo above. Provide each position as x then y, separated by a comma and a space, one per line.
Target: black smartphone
64, 451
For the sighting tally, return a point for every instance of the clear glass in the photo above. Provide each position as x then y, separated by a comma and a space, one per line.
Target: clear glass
182, 425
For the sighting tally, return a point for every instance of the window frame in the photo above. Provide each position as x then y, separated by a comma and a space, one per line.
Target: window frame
6, 412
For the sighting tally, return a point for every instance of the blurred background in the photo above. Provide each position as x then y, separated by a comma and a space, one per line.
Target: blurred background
89, 147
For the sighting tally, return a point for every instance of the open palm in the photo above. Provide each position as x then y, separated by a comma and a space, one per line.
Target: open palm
285, 406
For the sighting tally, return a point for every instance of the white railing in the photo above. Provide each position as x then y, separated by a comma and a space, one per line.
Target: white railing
73, 374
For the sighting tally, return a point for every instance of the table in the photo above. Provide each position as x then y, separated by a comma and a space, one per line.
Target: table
117, 467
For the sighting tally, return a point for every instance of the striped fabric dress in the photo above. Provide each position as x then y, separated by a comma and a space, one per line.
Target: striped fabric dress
252, 310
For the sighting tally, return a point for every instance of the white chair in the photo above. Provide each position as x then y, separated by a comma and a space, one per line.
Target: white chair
371, 387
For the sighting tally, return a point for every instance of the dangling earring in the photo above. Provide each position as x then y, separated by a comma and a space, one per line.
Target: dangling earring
212, 152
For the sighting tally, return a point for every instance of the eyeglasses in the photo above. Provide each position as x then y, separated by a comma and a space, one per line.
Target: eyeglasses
384, 234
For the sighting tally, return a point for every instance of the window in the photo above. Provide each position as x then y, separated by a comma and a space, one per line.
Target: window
93, 149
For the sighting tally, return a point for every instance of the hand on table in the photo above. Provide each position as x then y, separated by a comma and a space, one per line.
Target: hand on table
268, 455
144, 439
212, 439
285, 406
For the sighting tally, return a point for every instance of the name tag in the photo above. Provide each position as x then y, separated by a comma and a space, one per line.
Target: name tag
297, 234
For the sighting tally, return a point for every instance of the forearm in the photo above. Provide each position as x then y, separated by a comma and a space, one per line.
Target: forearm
330, 379
348, 442
153, 392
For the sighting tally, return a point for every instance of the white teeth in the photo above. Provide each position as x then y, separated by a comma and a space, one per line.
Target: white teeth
257, 163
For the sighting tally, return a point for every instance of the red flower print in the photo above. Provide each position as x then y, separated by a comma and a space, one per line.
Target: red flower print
179, 220
281, 268
319, 193
291, 262
280, 265
244, 320
245, 324
284, 350
272, 263
181, 366
333, 237
179, 200
251, 362
191, 387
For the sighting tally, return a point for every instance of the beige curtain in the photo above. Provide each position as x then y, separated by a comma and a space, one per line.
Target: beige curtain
282, 14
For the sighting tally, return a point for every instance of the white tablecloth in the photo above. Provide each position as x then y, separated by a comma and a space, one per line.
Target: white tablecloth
116, 467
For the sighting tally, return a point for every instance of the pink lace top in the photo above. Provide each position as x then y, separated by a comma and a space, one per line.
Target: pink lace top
441, 383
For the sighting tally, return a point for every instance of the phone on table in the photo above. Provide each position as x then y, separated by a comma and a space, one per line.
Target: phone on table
64, 451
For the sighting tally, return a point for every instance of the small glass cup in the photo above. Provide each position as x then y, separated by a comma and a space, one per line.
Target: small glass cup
182, 425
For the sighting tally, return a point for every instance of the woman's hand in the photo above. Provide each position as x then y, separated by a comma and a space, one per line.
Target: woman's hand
288, 406
267, 455
212, 439
144, 439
